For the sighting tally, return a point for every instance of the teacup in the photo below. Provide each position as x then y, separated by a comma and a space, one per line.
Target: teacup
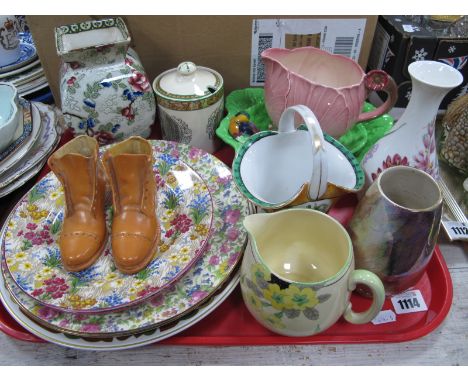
298, 273
9, 113
10, 48
295, 167
333, 86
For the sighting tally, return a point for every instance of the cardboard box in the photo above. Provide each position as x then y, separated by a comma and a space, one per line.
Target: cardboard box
222, 43
397, 43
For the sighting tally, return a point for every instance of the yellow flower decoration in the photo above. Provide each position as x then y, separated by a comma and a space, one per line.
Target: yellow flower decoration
26, 266
60, 201
276, 297
40, 277
54, 195
171, 179
185, 250
11, 224
111, 276
20, 255
254, 301
117, 283
259, 270
169, 213
185, 259
46, 271
201, 229
8, 235
163, 247
273, 321
301, 299
174, 257
31, 207
138, 283
223, 267
78, 302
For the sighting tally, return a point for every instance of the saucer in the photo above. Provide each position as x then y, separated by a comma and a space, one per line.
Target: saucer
25, 76
36, 89
39, 152
32, 253
12, 160
28, 54
5, 76
23, 131
29, 86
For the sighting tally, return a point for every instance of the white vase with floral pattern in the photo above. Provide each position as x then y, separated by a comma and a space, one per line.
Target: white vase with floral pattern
104, 89
411, 141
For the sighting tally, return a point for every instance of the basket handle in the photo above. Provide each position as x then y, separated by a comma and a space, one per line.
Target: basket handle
319, 176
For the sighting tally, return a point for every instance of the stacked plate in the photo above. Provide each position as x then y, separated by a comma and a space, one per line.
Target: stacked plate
194, 270
35, 138
26, 73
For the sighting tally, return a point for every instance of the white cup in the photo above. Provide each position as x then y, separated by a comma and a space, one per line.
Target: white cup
10, 49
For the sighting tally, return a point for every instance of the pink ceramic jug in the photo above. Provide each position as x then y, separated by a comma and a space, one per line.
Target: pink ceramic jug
333, 86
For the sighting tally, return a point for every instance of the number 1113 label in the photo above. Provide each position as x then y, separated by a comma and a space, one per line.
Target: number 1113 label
409, 302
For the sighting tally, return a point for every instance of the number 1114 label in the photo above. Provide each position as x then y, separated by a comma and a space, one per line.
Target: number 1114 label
409, 302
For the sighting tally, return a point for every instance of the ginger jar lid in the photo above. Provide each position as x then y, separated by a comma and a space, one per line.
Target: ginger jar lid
188, 82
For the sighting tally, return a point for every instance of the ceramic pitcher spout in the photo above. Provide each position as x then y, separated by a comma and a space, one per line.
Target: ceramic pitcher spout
257, 223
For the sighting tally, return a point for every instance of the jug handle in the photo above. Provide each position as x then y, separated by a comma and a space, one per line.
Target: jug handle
361, 276
378, 80
319, 177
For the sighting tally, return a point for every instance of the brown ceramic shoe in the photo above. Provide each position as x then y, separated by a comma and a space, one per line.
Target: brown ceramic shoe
135, 228
83, 234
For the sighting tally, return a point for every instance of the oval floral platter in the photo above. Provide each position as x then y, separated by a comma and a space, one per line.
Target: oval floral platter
194, 288
32, 254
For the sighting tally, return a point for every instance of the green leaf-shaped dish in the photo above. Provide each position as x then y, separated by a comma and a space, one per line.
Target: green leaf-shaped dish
250, 100
359, 139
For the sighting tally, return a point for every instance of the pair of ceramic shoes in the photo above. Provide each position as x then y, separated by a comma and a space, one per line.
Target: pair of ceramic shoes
128, 168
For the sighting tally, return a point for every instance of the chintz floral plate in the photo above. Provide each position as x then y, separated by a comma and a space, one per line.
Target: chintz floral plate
32, 254
196, 286
177, 325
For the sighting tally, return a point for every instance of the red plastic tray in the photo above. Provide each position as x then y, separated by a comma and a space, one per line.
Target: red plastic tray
232, 324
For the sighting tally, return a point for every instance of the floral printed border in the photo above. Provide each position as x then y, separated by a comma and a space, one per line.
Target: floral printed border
87, 26
189, 105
